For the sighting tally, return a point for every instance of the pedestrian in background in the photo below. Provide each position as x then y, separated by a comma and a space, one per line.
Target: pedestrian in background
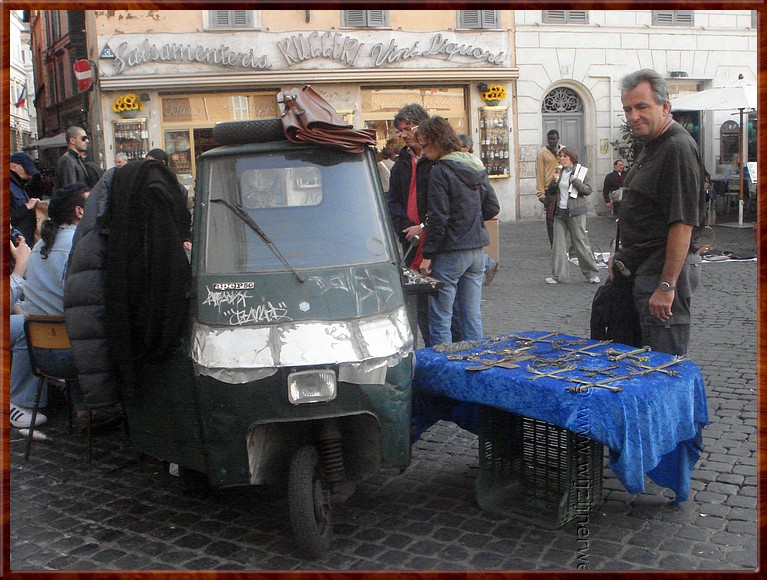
544, 171
665, 200
121, 159
567, 197
71, 167
407, 198
613, 182
459, 200
491, 266
23, 201
384, 167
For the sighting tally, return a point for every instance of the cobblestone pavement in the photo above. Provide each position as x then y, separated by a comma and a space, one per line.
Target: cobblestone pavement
122, 513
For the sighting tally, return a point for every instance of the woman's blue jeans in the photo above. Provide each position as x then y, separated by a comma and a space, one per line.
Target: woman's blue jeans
462, 273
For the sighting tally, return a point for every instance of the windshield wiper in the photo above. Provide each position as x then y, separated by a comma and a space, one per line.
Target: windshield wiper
251, 223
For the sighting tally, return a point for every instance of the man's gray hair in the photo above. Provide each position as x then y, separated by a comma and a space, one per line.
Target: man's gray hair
121, 155
412, 113
658, 84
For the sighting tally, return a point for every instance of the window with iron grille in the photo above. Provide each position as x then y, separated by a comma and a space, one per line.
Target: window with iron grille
224, 19
566, 16
365, 18
673, 17
562, 100
478, 19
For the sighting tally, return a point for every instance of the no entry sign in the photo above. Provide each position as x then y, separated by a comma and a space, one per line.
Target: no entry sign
83, 74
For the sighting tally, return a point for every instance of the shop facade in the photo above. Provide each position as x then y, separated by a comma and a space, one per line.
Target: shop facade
179, 86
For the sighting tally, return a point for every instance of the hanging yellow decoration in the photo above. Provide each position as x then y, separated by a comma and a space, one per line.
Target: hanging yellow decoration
494, 93
129, 102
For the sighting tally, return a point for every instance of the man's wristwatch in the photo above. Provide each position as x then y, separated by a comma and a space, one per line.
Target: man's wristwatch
666, 287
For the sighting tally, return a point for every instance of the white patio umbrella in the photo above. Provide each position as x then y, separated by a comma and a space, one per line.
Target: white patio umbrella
718, 99
742, 97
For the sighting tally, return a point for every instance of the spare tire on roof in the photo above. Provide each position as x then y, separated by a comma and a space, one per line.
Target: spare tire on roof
256, 131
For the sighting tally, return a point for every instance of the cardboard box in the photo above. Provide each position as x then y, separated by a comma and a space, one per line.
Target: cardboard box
494, 249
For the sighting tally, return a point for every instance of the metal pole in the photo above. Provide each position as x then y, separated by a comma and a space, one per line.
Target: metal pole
743, 159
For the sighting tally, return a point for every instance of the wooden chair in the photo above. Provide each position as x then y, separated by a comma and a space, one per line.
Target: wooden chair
47, 337
732, 194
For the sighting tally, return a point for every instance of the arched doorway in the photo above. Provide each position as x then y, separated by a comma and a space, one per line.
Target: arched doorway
562, 109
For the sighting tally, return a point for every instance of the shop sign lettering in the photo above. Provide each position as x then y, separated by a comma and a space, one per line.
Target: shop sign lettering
329, 45
171, 51
297, 48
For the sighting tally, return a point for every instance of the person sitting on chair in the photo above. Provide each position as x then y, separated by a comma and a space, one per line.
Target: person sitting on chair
44, 291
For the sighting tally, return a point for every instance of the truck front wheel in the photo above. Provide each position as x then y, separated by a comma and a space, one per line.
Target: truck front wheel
311, 511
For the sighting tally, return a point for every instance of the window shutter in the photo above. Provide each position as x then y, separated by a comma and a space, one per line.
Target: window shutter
477, 19
566, 16
554, 16
241, 19
469, 19
376, 18
354, 18
219, 19
684, 17
231, 19
673, 17
490, 19
578, 16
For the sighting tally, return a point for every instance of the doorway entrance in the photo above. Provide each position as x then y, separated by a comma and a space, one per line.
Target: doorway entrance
562, 109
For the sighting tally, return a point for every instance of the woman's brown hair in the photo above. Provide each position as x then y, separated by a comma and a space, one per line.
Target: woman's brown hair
437, 131
570, 152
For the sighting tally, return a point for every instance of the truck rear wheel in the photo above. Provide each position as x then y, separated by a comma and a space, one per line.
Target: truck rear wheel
311, 511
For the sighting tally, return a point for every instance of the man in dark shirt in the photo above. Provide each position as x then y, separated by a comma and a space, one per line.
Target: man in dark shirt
406, 198
613, 182
663, 203
71, 167
22, 203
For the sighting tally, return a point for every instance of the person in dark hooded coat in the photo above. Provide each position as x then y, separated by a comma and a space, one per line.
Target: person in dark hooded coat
459, 200
126, 292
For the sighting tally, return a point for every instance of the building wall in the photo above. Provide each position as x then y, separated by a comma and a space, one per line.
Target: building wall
139, 21
591, 58
389, 59
60, 104
587, 58
22, 125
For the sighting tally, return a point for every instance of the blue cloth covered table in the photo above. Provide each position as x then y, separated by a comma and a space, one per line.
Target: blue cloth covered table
652, 426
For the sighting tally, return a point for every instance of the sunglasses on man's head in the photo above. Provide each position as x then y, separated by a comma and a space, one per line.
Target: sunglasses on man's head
412, 129
84, 138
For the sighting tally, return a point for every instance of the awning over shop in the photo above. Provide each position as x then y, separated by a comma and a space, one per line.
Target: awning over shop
59, 140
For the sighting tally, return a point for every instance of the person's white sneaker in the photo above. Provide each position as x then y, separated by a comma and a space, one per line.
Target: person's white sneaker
594, 280
22, 418
551, 281
36, 436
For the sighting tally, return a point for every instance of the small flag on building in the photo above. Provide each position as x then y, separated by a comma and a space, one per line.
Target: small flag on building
22, 101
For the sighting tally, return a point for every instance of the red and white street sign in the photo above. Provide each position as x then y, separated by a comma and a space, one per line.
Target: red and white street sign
83, 74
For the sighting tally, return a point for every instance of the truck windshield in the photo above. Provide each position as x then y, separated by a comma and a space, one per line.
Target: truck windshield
318, 208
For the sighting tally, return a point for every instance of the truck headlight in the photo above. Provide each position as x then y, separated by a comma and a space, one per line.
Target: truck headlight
315, 386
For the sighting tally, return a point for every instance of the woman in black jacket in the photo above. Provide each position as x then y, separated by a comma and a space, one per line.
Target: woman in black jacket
459, 200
